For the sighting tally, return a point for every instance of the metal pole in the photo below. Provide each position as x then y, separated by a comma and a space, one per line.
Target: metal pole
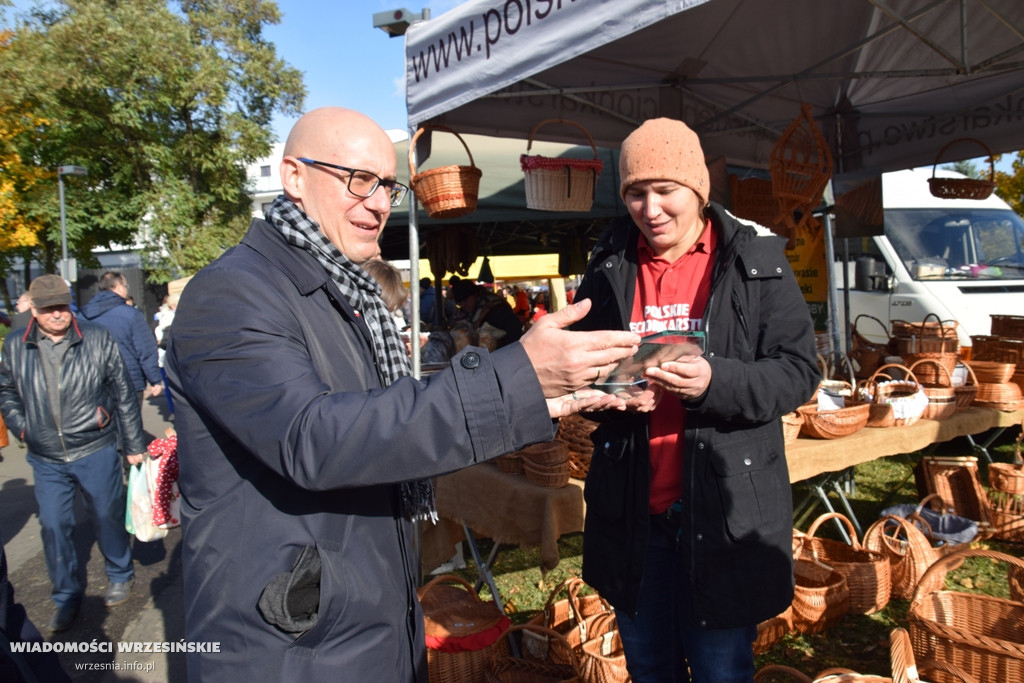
63, 229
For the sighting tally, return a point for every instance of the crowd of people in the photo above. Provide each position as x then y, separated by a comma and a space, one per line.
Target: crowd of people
307, 450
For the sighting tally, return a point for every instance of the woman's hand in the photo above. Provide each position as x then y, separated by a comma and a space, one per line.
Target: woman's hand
687, 378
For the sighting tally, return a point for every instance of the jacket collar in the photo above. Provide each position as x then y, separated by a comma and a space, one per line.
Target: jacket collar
32, 333
298, 265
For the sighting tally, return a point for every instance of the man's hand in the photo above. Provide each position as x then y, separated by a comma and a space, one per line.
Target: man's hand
135, 459
154, 390
566, 361
582, 401
686, 378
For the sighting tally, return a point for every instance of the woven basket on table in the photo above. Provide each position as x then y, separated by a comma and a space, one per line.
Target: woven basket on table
981, 634
894, 402
560, 183
575, 431
868, 355
564, 668
821, 597
1008, 326
546, 464
942, 396
966, 392
791, 424
930, 327
991, 371
833, 424
1000, 349
510, 463
867, 571
470, 630
963, 188
445, 191
1002, 396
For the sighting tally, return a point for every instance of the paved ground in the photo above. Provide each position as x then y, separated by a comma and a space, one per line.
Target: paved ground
154, 612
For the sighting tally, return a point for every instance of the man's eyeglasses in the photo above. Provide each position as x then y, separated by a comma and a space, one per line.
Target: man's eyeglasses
364, 184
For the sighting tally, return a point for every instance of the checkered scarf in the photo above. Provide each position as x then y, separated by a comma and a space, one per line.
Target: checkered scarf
363, 294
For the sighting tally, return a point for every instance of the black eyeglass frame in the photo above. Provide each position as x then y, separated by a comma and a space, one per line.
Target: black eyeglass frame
392, 186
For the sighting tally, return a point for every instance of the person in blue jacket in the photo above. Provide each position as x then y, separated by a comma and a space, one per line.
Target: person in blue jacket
306, 448
128, 326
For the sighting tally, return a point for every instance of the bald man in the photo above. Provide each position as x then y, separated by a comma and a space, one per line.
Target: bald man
306, 449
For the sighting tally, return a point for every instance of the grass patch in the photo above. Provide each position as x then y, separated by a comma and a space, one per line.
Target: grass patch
859, 642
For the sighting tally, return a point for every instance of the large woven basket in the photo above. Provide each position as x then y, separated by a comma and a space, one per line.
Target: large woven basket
942, 396
1008, 477
821, 596
469, 630
575, 431
990, 371
907, 549
561, 666
981, 634
963, 188
894, 402
1006, 513
771, 631
995, 348
867, 571
446, 191
560, 183
833, 424
568, 616
546, 464
1001, 396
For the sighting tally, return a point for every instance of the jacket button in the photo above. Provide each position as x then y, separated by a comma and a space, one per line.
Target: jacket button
607, 264
470, 361
746, 461
753, 271
703, 623
779, 271
700, 445
700, 537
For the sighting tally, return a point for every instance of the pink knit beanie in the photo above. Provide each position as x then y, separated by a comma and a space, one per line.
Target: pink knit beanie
664, 149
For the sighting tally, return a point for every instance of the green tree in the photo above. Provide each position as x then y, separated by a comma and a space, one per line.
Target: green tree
1010, 186
165, 104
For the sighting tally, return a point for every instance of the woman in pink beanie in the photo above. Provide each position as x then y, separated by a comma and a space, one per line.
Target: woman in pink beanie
689, 509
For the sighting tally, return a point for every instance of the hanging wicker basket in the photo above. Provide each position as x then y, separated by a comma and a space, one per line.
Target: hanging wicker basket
445, 191
963, 188
560, 183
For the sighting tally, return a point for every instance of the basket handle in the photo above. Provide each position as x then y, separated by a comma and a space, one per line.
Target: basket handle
855, 542
880, 323
551, 634
952, 561
433, 126
991, 164
545, 122
447, 578
910, 374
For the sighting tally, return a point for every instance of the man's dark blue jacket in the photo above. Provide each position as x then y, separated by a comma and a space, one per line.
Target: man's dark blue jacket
134, 338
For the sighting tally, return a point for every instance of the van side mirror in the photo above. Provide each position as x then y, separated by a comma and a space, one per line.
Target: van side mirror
869, 275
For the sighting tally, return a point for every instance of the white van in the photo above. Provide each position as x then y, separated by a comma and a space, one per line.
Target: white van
959, 259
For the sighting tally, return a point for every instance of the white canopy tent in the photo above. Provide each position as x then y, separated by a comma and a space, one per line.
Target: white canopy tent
889, 82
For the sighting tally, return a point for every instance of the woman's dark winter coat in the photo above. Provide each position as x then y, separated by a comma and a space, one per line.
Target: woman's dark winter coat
737, 504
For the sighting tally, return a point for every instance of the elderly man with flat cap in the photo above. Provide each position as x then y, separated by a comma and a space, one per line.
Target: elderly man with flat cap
65, 392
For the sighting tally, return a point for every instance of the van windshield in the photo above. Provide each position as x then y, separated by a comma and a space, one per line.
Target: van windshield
940, 244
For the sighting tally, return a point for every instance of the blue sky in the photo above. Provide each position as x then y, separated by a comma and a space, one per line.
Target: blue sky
344, 60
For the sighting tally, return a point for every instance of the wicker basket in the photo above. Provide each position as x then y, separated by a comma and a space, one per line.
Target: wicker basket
575, 432
833, 424
1008, 326
966, 392
866, 571
771, 631
905, 667
896, 402
868, 355
546, 464
1006, 512
791, 425
957, 483
907, 549
1008, 477
564, 669
445, 191
601, 657
926, 329
1003, 396
1000, 349
510, 463
963, 188
752, 199
452, 613
821, 597
568, 616
991, 372
981, 634
560, 183
941, 397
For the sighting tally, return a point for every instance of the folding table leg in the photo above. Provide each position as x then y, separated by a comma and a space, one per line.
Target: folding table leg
483, 569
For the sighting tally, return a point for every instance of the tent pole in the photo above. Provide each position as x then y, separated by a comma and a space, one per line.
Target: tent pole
414, 269
833, 303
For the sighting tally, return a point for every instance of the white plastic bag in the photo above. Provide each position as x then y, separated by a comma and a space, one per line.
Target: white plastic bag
140, 502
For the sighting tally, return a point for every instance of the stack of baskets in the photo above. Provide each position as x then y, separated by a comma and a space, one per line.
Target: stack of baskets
931, 338
995, 390
941, 397
560, 183
546, 464
575, 431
